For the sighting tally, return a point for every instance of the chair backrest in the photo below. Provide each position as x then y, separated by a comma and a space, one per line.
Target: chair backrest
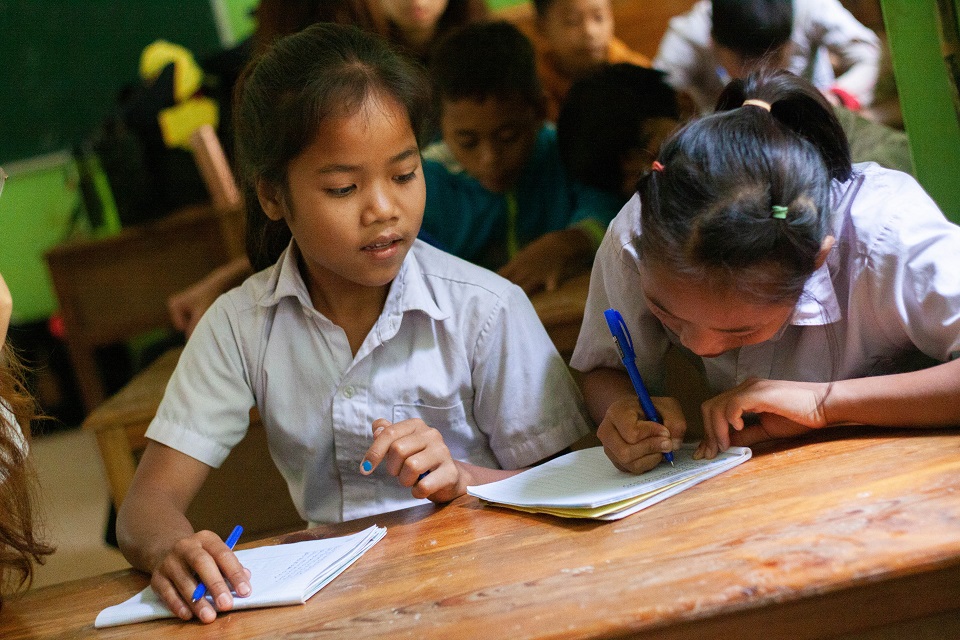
115, 288
214, 168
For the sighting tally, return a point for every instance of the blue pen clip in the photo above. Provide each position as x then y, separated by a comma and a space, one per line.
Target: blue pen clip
621, 336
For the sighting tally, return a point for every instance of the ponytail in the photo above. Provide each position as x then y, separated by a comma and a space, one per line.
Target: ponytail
744, 194
798, 106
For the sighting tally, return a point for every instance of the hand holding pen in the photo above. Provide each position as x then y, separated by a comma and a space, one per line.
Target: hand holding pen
630, 441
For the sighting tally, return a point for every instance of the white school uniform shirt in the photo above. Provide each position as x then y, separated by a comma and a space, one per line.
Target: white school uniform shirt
820, 27
455, 345
886, 300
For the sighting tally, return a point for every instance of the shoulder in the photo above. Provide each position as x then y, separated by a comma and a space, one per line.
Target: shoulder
453, 280
887, 211
695, 24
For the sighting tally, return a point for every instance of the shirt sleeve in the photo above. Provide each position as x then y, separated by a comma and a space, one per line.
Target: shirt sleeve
525, 401
205, 410
915, 285
855, 47
615, 283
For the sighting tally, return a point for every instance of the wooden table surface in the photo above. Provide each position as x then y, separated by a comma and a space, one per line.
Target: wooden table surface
834, 534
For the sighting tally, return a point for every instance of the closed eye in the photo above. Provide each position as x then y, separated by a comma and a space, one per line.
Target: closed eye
342, 191
406, 177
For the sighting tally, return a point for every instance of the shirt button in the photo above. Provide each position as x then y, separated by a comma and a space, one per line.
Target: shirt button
348, 392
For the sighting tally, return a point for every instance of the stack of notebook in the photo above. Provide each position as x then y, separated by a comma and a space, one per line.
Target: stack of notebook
280, 575
585, 484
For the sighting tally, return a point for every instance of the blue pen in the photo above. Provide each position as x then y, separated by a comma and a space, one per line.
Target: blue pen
231, 542
621, 336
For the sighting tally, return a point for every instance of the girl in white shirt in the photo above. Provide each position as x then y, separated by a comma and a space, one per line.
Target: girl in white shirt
385, 372
810, 292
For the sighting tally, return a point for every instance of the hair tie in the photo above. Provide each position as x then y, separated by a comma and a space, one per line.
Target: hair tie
779, 212
763, 104
656, 166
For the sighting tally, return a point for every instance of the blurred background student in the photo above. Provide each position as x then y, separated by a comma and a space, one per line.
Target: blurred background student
612, 125
572, 39
718, 40
497, 193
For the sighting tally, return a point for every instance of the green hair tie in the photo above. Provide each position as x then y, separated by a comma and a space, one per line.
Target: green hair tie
779, 212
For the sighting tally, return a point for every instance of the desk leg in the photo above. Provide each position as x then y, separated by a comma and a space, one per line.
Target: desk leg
118, 461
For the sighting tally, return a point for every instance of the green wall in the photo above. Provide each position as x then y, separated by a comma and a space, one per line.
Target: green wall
925, 96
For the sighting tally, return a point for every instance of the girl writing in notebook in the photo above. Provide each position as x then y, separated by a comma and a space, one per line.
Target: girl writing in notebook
385, 371
810, 292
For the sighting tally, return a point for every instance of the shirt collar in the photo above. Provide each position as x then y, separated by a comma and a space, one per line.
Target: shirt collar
409, 291
818, 303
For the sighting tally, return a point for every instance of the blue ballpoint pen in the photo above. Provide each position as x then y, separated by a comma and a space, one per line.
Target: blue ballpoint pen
231, 542
621, 336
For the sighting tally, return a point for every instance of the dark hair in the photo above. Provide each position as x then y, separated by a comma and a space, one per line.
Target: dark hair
483, 60
752, 28
709, 212
602, 119
283, 96
19, 545
542, 6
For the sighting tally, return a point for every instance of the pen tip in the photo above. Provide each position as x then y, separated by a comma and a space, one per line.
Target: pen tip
671, 464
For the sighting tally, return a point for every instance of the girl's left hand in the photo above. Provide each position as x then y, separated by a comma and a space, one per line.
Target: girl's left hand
772, 408
416, 455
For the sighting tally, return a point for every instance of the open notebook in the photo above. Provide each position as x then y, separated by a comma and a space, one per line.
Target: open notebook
585, 484
281, 575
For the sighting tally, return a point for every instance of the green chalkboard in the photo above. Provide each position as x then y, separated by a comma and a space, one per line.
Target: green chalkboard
62, 62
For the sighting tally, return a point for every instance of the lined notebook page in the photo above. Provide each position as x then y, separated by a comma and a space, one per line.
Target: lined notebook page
587, 479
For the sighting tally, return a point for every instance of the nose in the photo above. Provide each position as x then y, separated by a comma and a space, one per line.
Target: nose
380, 206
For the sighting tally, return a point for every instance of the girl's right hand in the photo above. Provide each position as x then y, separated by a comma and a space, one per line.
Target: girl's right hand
200, 557
636, 445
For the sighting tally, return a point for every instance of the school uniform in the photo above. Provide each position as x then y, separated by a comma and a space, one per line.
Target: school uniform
819, 27
464, 218
455, 345
886, 300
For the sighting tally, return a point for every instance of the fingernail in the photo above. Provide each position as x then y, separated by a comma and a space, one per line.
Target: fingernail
223, 601
666, 446
207, 614
366, 466
243, 589
378, 431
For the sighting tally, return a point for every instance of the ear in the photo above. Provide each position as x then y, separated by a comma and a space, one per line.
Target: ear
271, 199
825, 247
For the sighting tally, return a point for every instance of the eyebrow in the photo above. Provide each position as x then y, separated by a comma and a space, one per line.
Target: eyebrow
658, 304
349, 168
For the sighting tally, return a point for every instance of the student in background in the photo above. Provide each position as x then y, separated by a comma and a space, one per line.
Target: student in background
575, 37
20, 545
416, 26
810, 292
497, 193
384, 370
612, 125
724, 39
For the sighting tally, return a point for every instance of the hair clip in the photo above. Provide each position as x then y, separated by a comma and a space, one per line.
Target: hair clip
779, 212
763, 104
656, 166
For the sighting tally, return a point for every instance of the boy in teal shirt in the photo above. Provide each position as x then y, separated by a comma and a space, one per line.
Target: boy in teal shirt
497, 193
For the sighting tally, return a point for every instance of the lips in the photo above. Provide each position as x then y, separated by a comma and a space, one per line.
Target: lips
384, 246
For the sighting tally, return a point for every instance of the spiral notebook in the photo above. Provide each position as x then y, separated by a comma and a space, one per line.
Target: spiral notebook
283, 574
585, 484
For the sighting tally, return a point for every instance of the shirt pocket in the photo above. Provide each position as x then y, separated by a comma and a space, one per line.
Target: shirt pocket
462, 438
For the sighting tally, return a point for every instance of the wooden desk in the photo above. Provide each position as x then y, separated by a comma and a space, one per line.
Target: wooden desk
809, 539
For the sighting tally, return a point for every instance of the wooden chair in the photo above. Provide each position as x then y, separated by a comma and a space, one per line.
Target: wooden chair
115, 288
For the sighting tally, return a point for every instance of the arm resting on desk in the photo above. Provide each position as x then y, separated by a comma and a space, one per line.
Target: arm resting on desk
155, 535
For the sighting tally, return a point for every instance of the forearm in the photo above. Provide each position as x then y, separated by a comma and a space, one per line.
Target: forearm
148, 525
482, 475
925, 398
602, 387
